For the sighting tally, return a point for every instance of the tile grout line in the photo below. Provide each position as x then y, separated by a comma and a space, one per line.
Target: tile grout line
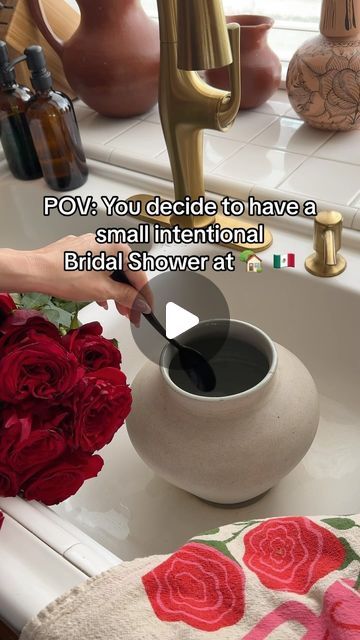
118, 135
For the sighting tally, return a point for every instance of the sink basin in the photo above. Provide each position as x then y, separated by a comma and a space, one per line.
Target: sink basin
134, 513
25, 227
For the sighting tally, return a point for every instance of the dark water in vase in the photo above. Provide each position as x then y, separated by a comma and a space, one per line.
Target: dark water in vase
238, 367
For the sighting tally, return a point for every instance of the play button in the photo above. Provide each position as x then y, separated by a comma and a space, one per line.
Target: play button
180, 301
178, 320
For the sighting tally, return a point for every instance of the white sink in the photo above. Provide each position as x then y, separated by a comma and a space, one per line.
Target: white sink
23, 225
134, 513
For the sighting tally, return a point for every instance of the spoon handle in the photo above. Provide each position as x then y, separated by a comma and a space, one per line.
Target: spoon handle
120, 276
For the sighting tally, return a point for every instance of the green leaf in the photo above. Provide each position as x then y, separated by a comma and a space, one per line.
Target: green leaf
52, 315
75, 324
34, 300
65, 318
342, 524
351, 555
115, 343
17, 298
357, 585
70, 307
217, 544
212, 532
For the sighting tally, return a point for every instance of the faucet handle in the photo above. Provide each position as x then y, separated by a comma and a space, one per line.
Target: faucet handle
326, 262
230, 106
328, 221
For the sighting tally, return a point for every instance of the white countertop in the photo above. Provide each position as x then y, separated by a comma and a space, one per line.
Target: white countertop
268, 153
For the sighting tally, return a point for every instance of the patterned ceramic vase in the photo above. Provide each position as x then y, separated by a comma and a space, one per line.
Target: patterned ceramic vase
323, 79
226, 448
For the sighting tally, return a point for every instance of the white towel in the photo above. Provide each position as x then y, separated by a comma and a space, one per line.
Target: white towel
293, 578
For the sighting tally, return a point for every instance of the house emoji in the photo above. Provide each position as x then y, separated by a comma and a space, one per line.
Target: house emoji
254, 264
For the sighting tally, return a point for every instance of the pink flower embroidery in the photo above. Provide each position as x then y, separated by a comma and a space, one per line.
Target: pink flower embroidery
341, 614
199, 586
292, 554
339, 620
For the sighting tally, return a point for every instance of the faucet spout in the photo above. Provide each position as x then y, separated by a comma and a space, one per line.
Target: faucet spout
187, 104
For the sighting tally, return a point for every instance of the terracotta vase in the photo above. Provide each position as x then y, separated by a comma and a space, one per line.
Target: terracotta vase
323, 79
238, 443
112, 60
260, 66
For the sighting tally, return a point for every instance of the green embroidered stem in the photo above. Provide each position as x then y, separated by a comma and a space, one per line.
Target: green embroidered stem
238, 533
357, 585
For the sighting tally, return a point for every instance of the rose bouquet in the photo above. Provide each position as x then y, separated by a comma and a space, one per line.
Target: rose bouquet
63, 397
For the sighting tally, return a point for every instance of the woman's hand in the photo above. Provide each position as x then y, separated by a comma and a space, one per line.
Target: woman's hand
43, 271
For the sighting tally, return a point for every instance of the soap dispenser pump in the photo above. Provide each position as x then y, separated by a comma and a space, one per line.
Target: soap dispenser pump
15, 134
54, 128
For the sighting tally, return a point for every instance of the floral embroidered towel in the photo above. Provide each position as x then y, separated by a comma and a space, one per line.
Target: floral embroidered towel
292, 578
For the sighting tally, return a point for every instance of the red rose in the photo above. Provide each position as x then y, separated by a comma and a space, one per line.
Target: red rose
199, 586
341, 614
292, 554
38, 450
92, 350
9, 437
43, 370
9, 484
1, 519
7, 305
23, 327
63, 479
16, 418
102, 404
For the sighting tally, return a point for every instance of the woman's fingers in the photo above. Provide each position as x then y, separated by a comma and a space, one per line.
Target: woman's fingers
126, 296
103, 304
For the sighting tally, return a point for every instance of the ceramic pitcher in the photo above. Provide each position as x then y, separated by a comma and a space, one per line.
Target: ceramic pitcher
260, 66
323, 79
112, 60
226, 448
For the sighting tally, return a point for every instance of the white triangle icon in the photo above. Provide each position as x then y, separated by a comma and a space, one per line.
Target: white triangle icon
178, 320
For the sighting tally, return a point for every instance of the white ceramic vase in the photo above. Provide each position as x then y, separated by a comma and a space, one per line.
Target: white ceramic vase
230, 449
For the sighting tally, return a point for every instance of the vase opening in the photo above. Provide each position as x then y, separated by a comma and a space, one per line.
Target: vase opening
245, 361
252, 21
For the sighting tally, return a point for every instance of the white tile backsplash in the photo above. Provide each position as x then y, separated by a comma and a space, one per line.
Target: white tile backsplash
268, 167
269, 149
96, 129
145, 140
278, 106
326, 180
216, 150
292, 135
248, 125
356, 223
343, 147
292, 114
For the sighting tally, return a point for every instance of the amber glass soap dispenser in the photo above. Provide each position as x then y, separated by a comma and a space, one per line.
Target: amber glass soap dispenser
15, 134
54, 128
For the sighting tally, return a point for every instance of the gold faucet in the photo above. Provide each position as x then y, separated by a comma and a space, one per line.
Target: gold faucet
194, 37
326, 262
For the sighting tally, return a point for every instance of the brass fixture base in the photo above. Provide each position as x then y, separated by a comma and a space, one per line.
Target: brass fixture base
224, 221
317, 268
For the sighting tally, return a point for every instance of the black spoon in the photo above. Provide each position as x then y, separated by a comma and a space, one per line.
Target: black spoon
193, 362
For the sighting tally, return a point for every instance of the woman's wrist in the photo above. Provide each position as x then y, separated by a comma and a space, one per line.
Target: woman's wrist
20, 271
